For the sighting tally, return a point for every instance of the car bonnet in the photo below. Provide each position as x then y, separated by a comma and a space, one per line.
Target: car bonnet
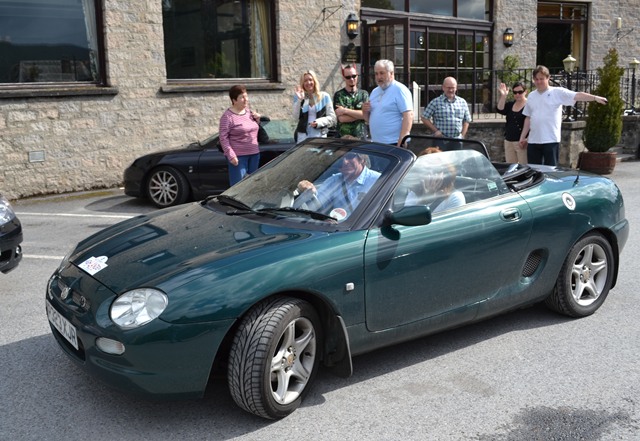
175, 245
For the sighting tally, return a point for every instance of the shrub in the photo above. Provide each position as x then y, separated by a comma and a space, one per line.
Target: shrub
604, 123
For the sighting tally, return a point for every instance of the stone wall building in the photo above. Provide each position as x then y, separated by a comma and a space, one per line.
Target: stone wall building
131, 80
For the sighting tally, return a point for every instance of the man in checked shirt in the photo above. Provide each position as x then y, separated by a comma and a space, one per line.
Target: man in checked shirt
447, 116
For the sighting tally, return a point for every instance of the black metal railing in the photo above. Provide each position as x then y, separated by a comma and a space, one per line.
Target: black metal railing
482, 93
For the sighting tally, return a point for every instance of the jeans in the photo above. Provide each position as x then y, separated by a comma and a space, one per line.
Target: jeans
546, 154
247, 164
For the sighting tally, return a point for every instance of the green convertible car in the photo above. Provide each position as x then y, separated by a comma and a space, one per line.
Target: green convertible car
335, 248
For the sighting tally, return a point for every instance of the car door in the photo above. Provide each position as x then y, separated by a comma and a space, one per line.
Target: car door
461, 258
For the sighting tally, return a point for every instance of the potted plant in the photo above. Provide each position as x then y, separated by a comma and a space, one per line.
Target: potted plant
604, 123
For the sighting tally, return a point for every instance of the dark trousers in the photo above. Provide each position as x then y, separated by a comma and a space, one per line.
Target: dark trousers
546, 154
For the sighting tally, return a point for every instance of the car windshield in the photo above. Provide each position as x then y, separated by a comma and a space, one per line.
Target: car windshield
318, 181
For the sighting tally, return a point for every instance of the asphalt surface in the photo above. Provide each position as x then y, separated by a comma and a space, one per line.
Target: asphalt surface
527, 375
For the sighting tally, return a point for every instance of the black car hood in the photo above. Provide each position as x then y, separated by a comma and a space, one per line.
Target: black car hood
176, 243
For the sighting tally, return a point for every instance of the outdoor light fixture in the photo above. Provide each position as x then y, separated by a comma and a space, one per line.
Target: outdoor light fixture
569, 64
507, 37
352, 26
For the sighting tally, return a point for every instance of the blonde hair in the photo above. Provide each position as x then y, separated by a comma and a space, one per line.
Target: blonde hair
316, 86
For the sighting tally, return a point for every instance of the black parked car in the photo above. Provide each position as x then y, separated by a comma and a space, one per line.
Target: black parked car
10, 237
197, 170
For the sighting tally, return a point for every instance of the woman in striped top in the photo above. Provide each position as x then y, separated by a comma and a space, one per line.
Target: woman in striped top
239, 135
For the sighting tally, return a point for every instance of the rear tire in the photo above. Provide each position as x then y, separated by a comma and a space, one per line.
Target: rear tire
585, 278
274, 357
166, 187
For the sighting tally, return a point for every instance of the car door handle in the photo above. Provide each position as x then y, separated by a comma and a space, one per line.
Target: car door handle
511, 214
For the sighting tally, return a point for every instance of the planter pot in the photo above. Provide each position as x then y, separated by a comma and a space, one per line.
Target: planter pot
601, 163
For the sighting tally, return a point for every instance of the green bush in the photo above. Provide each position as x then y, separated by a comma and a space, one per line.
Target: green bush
604, 123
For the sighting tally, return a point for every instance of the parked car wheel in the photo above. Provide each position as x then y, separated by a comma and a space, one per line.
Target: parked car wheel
274, 357
167, 187
585, 278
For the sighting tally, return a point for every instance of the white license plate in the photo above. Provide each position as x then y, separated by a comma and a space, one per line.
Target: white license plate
63, 325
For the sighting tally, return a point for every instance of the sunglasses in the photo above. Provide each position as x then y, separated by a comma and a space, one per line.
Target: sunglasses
351, 77
518, 92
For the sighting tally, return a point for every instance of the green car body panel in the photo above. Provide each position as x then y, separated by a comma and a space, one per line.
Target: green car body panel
386, 283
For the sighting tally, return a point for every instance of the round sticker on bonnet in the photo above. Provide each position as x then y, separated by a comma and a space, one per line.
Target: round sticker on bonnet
569, 201
338, 213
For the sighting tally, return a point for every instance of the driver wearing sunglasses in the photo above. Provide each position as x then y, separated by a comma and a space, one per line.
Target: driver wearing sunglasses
340, 194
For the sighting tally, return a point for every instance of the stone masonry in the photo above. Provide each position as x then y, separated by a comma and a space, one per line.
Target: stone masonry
88, 141
62, 142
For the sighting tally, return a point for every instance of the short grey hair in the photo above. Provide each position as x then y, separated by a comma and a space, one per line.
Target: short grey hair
387, 64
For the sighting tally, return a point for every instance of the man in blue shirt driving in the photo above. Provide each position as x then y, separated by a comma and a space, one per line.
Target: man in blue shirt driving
341, 193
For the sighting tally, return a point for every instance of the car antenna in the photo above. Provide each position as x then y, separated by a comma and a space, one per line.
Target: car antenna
579, 169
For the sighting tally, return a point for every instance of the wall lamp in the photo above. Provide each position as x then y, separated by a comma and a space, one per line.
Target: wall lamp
507, 37
352, 26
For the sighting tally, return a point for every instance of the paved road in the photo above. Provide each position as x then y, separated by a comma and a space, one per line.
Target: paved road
528, 375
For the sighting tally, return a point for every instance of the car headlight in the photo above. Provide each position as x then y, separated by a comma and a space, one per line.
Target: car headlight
6, 212
138, 307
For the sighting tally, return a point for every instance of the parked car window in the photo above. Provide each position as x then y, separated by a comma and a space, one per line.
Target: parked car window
280, 131
50, 43
218, 40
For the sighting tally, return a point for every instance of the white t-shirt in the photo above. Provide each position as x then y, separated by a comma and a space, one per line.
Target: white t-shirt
545, 111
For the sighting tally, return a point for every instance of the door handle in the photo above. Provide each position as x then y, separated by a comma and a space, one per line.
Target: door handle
511, 214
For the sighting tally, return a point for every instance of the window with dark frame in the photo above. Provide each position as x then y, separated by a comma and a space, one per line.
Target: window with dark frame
476, 9
218, 39
50, 43
562, 30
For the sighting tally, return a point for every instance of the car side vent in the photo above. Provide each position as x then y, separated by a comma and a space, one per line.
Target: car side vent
532, 263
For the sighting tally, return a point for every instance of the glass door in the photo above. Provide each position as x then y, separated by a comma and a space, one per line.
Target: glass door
386, 39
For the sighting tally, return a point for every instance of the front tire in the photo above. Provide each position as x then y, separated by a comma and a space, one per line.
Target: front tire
585, 278
167, 187
274, 357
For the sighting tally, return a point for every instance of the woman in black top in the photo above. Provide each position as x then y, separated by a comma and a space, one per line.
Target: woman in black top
513, 152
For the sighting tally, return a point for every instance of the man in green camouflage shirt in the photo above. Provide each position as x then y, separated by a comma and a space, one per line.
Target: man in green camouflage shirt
348, 105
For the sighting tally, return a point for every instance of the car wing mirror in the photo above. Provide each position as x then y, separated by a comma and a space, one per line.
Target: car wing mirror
411, 215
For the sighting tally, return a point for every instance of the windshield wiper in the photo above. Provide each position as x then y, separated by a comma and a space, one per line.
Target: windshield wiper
312, 214
233, 202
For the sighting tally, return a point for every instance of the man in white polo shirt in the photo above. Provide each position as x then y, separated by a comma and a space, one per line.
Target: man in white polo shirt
543, 120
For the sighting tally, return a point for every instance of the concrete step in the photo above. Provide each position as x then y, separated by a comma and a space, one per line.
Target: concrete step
621, 155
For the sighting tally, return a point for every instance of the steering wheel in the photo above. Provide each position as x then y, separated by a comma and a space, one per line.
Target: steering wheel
307, 200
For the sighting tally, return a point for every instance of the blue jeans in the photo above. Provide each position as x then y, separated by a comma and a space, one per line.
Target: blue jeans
546, 154
247, 164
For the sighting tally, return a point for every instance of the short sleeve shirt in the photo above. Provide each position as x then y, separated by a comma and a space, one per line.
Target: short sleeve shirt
353, 101
514, 123
545, 111
387, 109
448, 116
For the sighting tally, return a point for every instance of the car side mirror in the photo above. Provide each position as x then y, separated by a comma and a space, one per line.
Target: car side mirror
411, 215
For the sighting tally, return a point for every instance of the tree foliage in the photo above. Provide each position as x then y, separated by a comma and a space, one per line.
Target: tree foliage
604, 123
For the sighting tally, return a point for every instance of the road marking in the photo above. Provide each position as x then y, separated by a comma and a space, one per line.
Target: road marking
37, 256
106, 216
